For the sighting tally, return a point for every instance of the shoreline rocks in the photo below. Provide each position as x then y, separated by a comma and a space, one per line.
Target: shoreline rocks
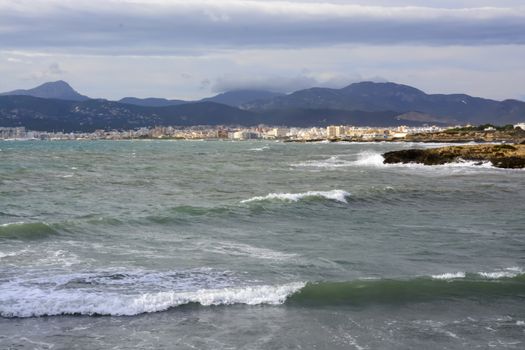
501, 156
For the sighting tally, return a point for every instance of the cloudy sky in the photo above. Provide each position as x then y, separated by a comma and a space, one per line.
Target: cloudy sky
195, 48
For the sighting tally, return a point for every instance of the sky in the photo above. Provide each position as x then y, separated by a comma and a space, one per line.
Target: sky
189, 49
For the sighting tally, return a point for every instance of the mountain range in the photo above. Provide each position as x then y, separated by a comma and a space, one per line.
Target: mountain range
57, 106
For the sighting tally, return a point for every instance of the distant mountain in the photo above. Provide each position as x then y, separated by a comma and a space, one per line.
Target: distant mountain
367, 103
151, 102
230, 98
238, 98
325, 117
57, 90
50, 114
374, 97
61, 115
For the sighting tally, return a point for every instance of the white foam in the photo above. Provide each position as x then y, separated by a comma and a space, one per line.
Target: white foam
24, 301
11, 254
12, 224
6, 255
449, 276
260, 148
240, 249
368, 158
61, 258
520, 323
335, 195
332, 162
506, 273
374, 159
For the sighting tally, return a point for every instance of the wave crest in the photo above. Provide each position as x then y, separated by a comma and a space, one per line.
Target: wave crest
127, 293
22, 230
334, 195
422, 289
39, 302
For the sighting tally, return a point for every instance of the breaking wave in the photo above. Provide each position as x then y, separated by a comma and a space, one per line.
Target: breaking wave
374, 159
449, 276
259, 149
365, 158
128, 293
509, 272
332, 162
368, 158
131, 293
334, 195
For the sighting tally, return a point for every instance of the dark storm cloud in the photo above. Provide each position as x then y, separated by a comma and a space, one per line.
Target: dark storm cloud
166, 27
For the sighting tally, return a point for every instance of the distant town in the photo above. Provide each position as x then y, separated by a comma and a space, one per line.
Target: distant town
330, 133
226, 133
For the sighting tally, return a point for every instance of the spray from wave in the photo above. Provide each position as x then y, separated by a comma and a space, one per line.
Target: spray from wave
127, 293
375, 160
334, 195
366, 158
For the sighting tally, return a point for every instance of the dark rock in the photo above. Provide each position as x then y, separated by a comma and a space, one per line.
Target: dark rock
501, 156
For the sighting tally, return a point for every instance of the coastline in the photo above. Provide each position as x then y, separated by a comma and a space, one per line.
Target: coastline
503, 156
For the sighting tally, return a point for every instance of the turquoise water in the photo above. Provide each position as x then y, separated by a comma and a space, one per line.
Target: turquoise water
256, 245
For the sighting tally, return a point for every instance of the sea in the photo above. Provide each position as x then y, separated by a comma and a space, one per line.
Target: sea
256, 245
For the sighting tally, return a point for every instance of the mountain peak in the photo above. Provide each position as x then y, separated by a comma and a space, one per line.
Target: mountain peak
381, 88
58, 83
55, 89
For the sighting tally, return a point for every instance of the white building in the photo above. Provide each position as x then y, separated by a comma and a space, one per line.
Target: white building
278, 133
244, 135
334, 131
520, 125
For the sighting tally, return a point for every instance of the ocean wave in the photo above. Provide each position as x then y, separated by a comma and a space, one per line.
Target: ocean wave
449, 276
7, 255
375, 160
130, 293
332, 162
509, 272
259, 149
199, 211
334, 195
368, 158
23, 230
13, 254
245, 250
186, 214
127, 293
364, 159
36, 302
421, 289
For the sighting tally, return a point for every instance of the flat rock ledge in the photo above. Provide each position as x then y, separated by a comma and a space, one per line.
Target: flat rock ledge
501, 156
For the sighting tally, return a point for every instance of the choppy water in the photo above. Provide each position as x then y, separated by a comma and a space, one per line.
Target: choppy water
255, 245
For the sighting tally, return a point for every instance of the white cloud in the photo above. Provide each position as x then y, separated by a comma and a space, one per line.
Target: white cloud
159, 27
189, 49
285, 83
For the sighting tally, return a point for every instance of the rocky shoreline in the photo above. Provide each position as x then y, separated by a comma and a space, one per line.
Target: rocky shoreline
463, 136
504, 156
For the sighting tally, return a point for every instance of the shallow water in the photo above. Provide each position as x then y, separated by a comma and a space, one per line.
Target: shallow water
256, 245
